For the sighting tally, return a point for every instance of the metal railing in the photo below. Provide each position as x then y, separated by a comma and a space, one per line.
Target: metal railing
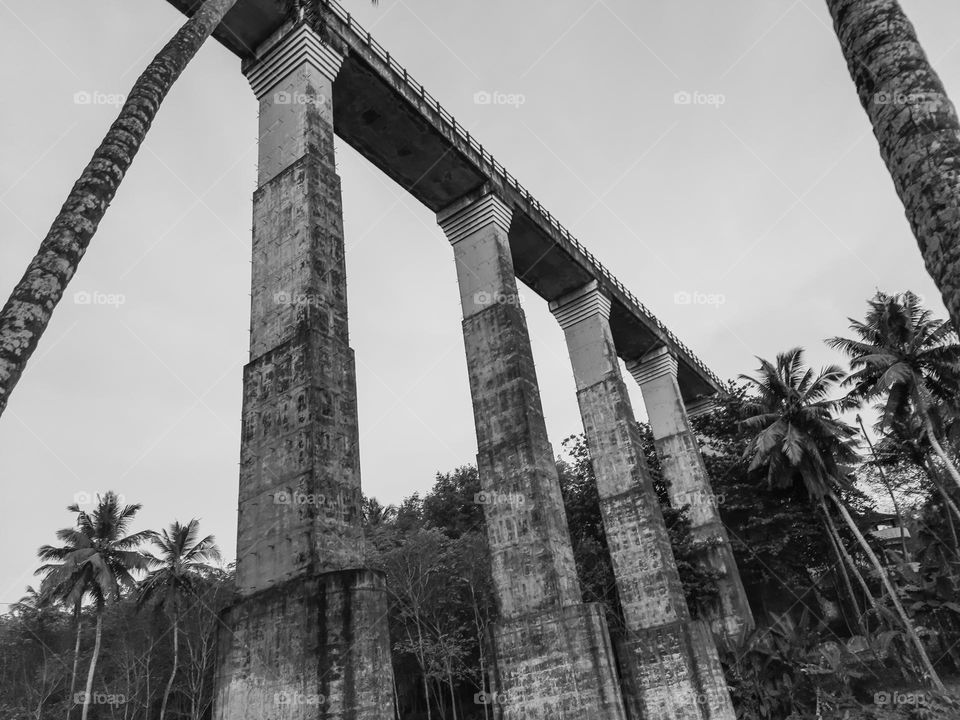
506, 178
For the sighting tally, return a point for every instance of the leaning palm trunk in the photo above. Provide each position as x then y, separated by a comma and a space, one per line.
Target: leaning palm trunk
847, 559
88, 696
27, 312
908, 628
939, 451
76, 659
176, 662
916, 126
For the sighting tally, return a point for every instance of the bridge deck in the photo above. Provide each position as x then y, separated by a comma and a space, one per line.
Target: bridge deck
399, 127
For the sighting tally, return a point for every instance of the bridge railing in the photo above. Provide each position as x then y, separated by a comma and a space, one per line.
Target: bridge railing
507, 179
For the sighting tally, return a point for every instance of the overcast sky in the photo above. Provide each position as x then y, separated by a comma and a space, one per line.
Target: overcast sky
765, 194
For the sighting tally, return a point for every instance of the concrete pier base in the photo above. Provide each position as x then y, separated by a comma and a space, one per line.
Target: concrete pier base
555, 664
310, 649
673, 672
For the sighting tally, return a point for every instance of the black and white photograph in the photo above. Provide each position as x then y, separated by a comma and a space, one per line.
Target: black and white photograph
506, 360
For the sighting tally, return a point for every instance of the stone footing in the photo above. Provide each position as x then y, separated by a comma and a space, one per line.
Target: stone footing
309, 649
557, 664
673, 673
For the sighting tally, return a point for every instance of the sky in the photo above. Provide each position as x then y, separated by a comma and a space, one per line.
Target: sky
703, 151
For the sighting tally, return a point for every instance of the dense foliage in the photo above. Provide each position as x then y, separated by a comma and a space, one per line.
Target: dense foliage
851, 622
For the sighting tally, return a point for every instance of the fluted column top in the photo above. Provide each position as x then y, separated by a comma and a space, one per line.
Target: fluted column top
301, 45
582, 303
654, 365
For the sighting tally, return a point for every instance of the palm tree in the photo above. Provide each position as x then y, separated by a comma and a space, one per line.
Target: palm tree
798, 438
910, 359
174, 575
25, 316
95, 562
915, 124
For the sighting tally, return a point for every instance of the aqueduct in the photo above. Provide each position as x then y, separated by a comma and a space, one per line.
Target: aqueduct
311, 619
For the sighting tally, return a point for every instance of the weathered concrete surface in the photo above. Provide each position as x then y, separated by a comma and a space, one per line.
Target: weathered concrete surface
311, 622
313, 648
664, 660
553, 653
682, 466
557, 664
386, 117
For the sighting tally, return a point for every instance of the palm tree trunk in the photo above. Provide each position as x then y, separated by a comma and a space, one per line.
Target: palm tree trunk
27, 313
915, 124
908, 628
88, 696
886, 484
951, 508
938, 448
842, 568
848, 559
76, 660
176, 659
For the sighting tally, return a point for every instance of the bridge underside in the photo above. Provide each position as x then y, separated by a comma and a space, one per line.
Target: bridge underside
380, 114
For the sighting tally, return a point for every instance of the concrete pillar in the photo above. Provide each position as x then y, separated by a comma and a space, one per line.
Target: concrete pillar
308, 638
554, 655
682, 465
669, 663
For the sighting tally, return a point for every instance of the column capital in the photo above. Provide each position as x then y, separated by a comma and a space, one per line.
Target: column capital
585, 302
460, 221
655, 364
300, 45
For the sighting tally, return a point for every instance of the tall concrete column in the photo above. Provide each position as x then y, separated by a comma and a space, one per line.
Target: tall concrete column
554, 655
308, 638
669, 663
682, 466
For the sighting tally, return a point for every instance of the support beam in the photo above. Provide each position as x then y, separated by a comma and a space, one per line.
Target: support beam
554, 655
669, 663
308, 638
682, 465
